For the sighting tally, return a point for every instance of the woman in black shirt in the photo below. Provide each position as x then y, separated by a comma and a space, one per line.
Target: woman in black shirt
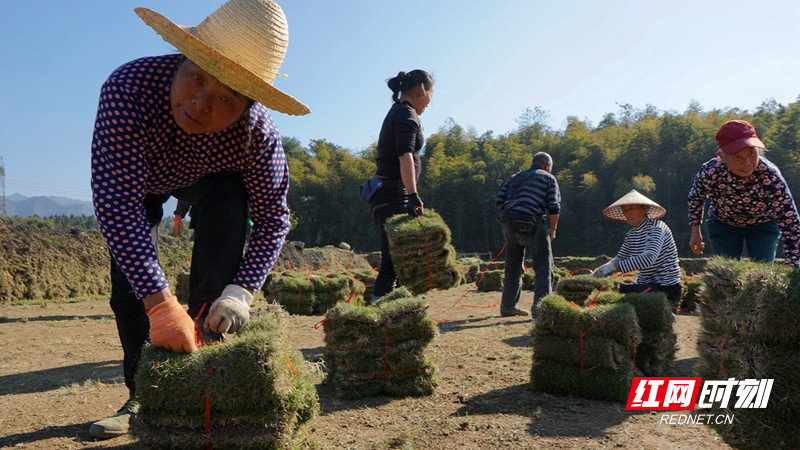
398, 163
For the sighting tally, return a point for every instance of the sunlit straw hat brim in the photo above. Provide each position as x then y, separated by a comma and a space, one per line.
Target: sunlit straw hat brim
614, 210
222, 67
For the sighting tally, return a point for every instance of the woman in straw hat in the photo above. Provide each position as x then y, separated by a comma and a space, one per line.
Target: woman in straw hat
648, 247
194, 125
398, 163
750, 202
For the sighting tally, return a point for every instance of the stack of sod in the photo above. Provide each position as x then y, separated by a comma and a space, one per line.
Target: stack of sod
334, 288
528, 280
294, 291
656, 352
260, 392
490, 281
601, 339
497, 265
572, 263
422, 254
314, 293
751, 326
578, 288
379, 350
472, 273
367, 277
691, 295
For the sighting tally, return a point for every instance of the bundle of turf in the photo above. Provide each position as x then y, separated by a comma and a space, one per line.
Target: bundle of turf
496, 265
584, 352
293, 291
572, 263
578, 288
472, 272
693, 266
656, 352
528, 280
691, 295
368, 278
423, 257
256, 390
379, 350
751, 326
490, 281
334, 288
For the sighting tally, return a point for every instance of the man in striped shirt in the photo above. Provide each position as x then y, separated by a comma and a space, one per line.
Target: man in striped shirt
648, 247
530, 203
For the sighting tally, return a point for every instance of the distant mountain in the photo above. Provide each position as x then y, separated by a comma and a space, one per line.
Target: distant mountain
20, 205
46, 206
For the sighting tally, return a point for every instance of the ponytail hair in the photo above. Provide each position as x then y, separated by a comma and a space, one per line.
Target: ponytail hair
406, 81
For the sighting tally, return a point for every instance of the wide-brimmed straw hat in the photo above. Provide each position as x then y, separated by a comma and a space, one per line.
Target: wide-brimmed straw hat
634, 197
241, 44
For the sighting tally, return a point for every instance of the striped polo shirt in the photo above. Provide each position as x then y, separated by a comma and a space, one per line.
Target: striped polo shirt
650, 248
531, 192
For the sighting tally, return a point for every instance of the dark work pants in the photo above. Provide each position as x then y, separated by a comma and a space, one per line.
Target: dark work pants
387, 201
536, 241
217, 253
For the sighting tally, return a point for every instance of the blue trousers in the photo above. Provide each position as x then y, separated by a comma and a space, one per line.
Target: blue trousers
729, 241
535, 242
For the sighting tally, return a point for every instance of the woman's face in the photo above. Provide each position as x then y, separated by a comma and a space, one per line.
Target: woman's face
201, 104
742, 163
422, 98
634, 214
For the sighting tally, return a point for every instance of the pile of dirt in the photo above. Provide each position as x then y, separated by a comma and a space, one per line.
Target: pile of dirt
294, 256
38, 263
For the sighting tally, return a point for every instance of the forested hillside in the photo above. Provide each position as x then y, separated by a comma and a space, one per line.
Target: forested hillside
654, 151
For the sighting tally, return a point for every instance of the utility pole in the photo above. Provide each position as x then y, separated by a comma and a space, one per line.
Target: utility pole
2, 189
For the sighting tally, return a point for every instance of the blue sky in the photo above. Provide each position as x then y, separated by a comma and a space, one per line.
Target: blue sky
490, 60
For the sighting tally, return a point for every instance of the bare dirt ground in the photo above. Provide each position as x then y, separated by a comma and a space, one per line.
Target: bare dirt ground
60, 370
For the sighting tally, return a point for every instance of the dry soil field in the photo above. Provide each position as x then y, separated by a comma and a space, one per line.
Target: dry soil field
60, 370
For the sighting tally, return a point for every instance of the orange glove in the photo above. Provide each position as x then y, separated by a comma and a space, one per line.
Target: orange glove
177, 226
171, 327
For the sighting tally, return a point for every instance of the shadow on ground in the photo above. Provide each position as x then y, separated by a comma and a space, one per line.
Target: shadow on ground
106, 372
549, 415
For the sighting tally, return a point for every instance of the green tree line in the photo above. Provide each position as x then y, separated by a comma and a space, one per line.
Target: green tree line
655, 152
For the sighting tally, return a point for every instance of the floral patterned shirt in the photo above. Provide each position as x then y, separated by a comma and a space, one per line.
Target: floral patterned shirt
746, 201
138, 148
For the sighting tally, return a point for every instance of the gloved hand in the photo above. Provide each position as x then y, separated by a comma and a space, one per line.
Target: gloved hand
231, 311
414, 205
604, 270
177, 226
171, 327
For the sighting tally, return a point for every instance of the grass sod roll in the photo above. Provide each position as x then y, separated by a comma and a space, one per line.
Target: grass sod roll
750, 319
331, 290
379, 350
597, 351
597, 383
490, 281
421, 252
249, 383
560, 318
294, 293
656, 351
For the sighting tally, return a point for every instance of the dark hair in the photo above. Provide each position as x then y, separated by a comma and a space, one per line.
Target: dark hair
405, 81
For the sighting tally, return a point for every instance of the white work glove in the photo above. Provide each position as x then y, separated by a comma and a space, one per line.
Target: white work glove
605, 270
231, 311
